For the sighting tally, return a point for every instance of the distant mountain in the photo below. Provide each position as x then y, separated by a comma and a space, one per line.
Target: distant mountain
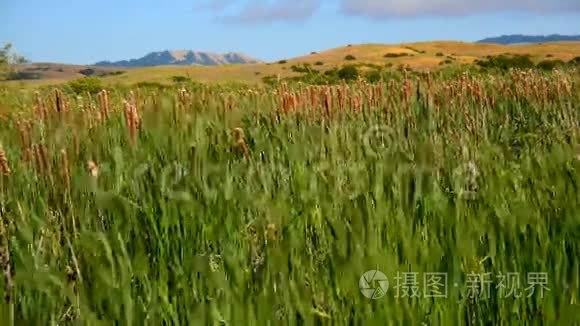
518, 38
181, 58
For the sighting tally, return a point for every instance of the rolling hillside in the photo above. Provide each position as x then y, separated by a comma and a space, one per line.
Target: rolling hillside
182, 58
418, 56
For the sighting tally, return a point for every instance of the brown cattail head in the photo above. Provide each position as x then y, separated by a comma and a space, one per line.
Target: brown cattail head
93, 169
40, 108
4, 167
58, 100
132, 120
24, 139
327, 100
44, 159
240, 143
64, 169
5, 262
184, 96
36, 158
104, 104
239, 134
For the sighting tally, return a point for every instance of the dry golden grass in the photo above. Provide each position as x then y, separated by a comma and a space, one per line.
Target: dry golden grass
464, 52
422, 56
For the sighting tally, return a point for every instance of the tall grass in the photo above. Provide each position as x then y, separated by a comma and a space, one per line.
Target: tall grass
266, 206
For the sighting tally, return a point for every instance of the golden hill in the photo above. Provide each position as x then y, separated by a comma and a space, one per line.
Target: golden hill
419, 56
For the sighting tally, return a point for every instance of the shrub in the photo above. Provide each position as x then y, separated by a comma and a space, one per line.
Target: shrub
397, 55
550, 64
319, 63
368, 65
270, 80
373, 76
414, 50
305, 68
85, 72
331, 72
505, 62
313, 52
23, 75
86, 85
575, 61
439, 54
348, 72
549, 55
388, 64
113, 73
282, 62
445, 62
350, 57
152, 85
180, 79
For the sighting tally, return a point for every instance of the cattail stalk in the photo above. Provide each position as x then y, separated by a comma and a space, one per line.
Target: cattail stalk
44, 160
240, 143
58, 101
103, 97
37, 159
24, 140
93, 169
65, 170
132, 120
40, 108
328, 100
5, 261
4, 167
76, 143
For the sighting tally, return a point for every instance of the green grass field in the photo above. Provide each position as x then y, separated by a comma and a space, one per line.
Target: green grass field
159, 211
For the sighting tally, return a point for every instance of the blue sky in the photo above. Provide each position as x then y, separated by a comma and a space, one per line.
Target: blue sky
87, 31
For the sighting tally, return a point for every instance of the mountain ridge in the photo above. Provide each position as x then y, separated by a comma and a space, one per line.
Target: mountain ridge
520, 38
182, 58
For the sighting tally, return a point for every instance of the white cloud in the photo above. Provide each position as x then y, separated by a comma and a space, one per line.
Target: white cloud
409, 8
263, 11
267, 11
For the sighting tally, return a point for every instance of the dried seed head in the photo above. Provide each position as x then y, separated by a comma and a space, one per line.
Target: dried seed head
132, 120
40, 109
24, 139
93, 169
4, 167
46, 164
240, 144
239, 134
58, 103
65, 172
104, 104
